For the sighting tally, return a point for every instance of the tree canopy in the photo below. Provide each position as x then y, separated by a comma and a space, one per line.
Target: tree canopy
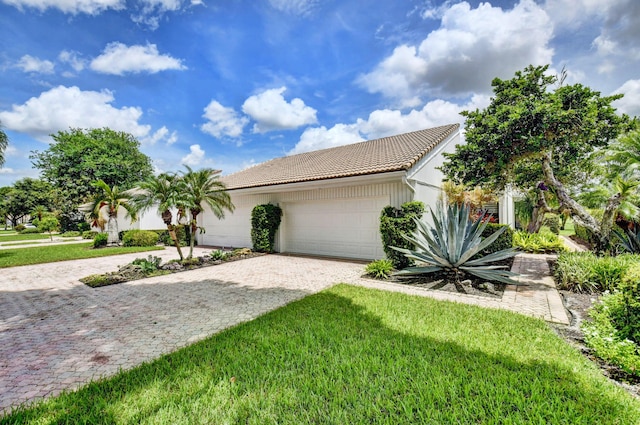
535, 135
78, 157
25, 196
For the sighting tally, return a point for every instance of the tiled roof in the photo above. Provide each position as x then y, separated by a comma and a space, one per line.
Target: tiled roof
394, 153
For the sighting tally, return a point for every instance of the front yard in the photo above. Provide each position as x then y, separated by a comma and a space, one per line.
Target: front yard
358, 356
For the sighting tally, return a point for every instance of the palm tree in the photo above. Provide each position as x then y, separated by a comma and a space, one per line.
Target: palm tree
4, 142
109, 200
623, 156
204, 187
161, 191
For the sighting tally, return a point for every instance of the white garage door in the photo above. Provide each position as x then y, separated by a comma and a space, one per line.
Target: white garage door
346, 228
232, 231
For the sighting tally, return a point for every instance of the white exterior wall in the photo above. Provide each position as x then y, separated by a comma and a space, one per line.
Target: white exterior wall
149, 220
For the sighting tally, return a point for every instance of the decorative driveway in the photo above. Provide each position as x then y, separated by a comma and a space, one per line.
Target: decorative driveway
57, 334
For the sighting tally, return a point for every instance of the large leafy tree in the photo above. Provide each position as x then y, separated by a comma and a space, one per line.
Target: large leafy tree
25, 196
108, 201
79, 157
538, 133
203, 187
164, 193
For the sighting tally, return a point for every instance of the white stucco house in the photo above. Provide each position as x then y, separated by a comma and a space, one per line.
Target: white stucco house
332, 198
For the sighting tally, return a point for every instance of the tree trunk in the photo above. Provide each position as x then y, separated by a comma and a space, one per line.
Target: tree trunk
112, 230
174, 238
537, 218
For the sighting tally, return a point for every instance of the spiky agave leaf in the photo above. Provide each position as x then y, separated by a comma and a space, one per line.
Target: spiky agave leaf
451, 242
629, 240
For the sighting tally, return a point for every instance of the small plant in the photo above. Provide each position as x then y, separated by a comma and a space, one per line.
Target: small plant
583, 272
538, 243
629, 240
380, 269
148, 265
450, 245
19, 228
220, 255
100, 240
238, 252
89, 234
139, 238
30, 230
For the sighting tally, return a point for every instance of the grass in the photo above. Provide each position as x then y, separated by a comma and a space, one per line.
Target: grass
569, 229
352, 355
52, 253
25, 237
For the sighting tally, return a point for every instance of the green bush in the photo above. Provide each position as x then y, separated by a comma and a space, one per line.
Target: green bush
552, 221
100, 240
19, 228
139, 238
380, 269
165, 239
70, 234
538, 243
397, 222
504, 241
584, 272
265, 220
30, 230
219, 254
89, 234
148, 265
614, 332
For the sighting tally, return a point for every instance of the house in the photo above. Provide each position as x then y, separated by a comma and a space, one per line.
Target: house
332, 198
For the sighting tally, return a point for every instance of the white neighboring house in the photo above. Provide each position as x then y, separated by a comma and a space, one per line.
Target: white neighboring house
149, 220
332, 198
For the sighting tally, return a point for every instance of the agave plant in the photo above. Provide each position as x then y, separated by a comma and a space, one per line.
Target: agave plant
629, 239
451, 245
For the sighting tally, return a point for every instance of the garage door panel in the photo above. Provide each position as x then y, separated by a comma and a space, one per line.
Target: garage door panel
342, 228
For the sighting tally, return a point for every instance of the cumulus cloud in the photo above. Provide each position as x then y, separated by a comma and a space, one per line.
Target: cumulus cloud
161, 135
465, 53
194, 157
295, 7
34, 65
272, 112
387, 122
63, 107
222, 121
119, 59
74, 59
74, 7
630, 103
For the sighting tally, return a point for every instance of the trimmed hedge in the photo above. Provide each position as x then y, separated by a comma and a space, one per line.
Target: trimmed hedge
396, 222
100, 240
139, 238
265, 220
504, 241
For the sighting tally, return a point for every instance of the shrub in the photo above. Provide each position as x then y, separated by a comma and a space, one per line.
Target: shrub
504, 241
70, 234
100, 240
139, 238
30, 230
240, 251
538, 243
165, 239
19, 228
380, 269
552, 221
584, 272
89, 234
149, 264
614, 332
265, 220
394, 223
219, 254
83, 226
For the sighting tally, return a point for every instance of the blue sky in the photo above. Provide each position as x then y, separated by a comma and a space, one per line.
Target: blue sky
230, 83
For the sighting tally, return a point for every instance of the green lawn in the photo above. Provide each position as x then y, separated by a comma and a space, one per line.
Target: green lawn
51, 253
569, 229
352, 355
25, 237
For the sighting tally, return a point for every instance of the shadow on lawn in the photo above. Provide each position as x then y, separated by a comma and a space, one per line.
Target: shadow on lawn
327, 359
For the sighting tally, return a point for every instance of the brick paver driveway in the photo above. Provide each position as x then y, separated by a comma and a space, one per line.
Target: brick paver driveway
56, 333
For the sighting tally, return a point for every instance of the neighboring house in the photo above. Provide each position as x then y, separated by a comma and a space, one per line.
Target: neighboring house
332, 199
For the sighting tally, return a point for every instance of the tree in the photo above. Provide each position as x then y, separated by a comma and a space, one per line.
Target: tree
203, 187
48, 223
4, 142
163, 192
25, 195
78, 157
539, 138
108, 201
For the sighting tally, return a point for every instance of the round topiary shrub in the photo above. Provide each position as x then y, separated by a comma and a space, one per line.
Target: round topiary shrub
139, 238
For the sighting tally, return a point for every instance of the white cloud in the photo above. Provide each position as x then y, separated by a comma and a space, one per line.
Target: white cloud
162, 134
91, 7
29, 63
194, 157
387, 122
63, 107
295, 7
320, 138
6, 170
222, 121
73, 59
630, 103
272, 112
471, 47
118, 58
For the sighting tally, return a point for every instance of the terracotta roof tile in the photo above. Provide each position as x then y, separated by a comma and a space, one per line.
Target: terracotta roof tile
383, 155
